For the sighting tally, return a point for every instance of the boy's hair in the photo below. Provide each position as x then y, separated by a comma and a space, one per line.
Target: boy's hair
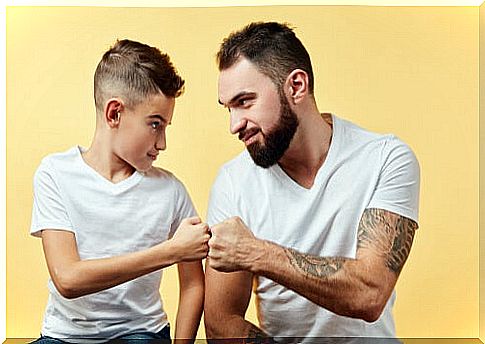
272, 47
134, 71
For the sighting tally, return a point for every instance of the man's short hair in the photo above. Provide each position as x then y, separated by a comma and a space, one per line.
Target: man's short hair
134, 71
272, 47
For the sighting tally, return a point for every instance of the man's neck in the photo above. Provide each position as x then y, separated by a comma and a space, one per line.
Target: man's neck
308, 149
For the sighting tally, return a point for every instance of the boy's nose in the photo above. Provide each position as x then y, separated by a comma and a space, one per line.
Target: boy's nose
161, 142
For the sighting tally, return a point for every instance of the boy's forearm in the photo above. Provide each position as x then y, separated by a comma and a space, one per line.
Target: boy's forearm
84, 277
191, 305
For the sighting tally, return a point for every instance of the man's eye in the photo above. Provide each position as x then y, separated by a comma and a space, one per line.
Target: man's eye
155, 125
243, 102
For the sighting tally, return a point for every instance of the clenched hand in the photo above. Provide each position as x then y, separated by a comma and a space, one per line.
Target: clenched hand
191, 239
232, 246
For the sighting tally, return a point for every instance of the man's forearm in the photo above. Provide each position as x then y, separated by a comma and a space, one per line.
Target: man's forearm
341, 285
357, 287
233, 326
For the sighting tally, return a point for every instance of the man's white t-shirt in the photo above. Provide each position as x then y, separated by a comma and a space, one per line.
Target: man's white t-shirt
362, 170
107, 219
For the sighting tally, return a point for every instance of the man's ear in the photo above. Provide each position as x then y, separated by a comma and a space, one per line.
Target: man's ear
112, 112
297, 85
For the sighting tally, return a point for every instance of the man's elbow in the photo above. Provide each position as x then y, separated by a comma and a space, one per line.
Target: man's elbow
212, 326
217, 323
371, 309
372, 314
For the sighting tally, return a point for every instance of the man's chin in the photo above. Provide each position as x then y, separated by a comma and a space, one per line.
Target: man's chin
260, 157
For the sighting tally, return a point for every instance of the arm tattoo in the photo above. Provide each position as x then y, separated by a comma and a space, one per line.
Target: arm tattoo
387, 234
256, 335
313, 265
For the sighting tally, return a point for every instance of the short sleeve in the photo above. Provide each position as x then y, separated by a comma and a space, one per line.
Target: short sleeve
397, 189
48, 210
221, 204
184, 206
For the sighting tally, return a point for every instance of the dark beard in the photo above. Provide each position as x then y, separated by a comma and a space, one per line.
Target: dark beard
276, 142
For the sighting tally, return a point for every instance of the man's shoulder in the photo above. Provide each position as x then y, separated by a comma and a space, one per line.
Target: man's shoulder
355, 135
354, 131
241, 164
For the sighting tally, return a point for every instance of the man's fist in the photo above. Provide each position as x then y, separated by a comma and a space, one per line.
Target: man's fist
232, 246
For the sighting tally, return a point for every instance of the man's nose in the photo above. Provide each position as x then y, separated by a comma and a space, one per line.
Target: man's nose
238, 122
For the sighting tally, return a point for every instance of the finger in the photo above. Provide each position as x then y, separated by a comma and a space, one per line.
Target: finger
203, 227
212, 254
211, 242
194, 220
215, 229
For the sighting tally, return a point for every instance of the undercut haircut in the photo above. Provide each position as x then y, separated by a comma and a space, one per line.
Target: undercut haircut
134, 71
272, 47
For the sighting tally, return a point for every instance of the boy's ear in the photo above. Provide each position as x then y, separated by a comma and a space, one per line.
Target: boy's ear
112, 112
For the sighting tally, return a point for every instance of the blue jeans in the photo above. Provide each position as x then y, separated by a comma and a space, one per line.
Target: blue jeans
132, 338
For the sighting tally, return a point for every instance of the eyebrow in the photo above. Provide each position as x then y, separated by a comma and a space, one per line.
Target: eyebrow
157, 116
237, 96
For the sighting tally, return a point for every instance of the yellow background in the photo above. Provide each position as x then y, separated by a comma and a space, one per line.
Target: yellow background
482, 173
407, 70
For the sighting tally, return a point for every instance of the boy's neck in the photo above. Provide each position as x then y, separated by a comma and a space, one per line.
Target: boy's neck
103, 160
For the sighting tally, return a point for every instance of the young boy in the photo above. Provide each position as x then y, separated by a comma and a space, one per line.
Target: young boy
110, 221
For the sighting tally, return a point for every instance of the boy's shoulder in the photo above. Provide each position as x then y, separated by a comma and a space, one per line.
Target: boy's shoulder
59, 159
158, 172
163, 175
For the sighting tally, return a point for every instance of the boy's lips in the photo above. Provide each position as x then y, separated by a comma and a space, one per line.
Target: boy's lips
153, 156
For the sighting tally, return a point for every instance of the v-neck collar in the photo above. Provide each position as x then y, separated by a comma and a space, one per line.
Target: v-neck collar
118, 187
322, 171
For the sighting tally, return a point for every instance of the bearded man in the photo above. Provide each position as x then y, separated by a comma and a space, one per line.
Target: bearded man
318, 211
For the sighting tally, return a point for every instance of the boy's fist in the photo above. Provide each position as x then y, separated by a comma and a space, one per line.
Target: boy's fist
191, 239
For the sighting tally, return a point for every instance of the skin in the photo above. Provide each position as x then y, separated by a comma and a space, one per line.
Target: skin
357, 288
125, 140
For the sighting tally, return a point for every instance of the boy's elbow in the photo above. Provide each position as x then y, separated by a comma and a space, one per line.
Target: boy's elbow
66, 285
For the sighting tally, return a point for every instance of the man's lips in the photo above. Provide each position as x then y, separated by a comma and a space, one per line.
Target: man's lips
248, 134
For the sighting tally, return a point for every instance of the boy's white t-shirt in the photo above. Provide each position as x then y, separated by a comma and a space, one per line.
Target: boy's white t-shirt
107, 220
362, 170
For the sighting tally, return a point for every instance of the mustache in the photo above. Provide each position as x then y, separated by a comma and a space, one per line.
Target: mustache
247, 133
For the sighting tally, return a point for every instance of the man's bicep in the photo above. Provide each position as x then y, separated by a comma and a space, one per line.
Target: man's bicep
385, 238
221, 203
226, 294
